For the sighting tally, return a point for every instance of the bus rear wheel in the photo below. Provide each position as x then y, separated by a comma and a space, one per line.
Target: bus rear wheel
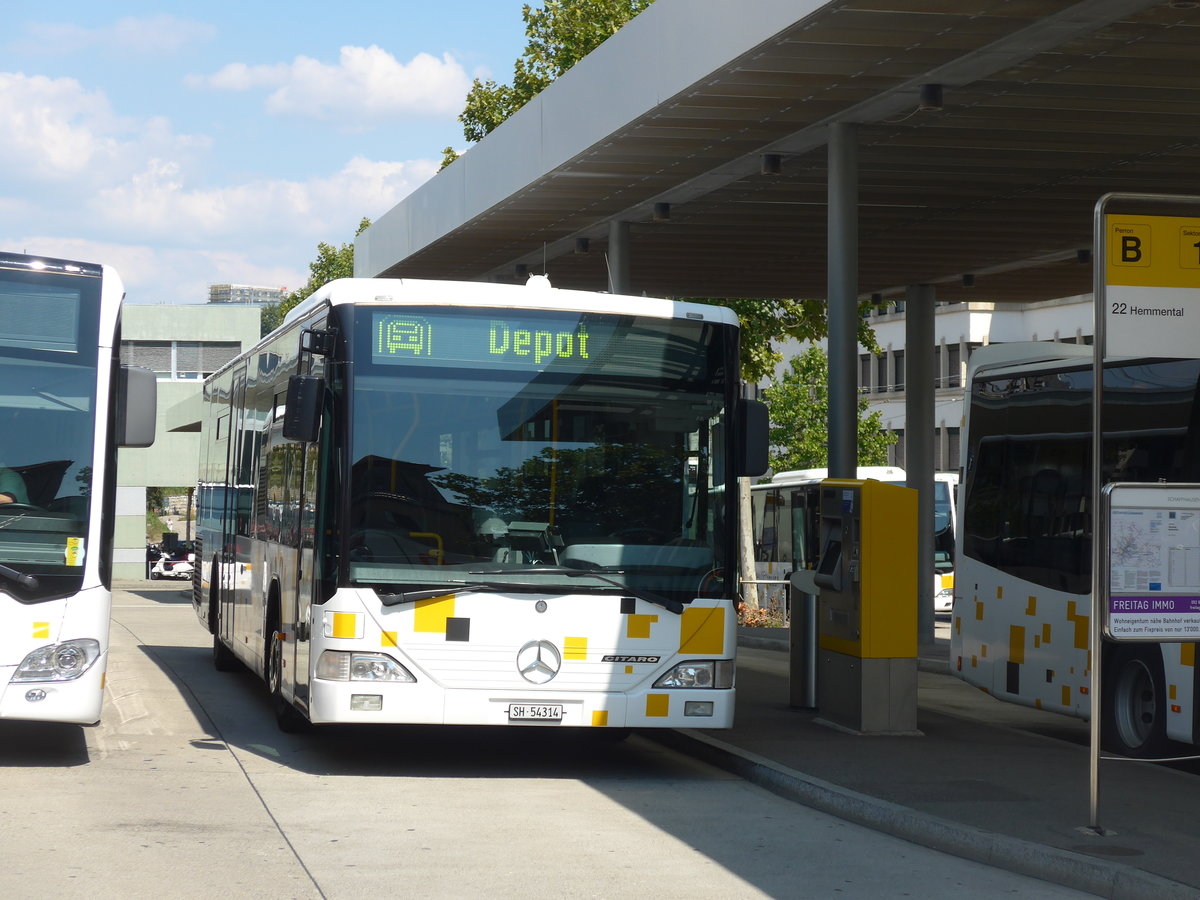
1135, 704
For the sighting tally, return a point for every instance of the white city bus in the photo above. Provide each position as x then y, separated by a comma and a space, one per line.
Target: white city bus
65, 406
1023, 599
785, 529
465, 503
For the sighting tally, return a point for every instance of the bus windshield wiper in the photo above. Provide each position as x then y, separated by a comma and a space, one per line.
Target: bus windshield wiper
25, 581
460, 587
665, 602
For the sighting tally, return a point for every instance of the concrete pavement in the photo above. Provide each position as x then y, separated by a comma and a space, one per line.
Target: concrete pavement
986, 780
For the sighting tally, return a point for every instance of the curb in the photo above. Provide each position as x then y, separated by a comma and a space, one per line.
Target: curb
1062, 867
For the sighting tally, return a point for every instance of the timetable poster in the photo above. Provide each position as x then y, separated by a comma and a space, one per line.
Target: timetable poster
1154, 563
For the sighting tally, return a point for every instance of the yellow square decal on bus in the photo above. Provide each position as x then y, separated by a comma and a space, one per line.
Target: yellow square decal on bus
342, 625
638, 626
657, 705
575, 648
600, 717
41, 630
388, 639
702, 631
430, 615
1016, 644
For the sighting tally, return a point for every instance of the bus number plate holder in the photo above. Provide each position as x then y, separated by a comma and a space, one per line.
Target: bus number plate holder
535, 711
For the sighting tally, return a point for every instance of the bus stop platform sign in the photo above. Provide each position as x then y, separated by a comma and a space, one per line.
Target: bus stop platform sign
1153, 552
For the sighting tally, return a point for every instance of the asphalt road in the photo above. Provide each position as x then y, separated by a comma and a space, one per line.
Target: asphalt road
187, 789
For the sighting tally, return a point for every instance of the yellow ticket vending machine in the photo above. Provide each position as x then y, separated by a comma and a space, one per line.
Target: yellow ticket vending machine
867, 607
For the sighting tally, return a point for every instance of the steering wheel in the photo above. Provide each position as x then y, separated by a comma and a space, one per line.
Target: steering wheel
20, 507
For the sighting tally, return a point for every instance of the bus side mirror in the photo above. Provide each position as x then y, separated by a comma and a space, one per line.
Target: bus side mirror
302, 417
137, 405
752, 438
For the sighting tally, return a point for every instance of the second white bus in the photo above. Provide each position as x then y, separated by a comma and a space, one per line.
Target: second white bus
1023, 601
785, 527
464, 503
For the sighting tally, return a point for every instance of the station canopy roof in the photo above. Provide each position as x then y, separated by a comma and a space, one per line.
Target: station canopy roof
1045, 106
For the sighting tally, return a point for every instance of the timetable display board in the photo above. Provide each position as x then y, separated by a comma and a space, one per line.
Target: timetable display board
1153, 553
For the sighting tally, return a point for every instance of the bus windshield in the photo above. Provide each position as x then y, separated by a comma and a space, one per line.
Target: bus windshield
48, 353
526, 448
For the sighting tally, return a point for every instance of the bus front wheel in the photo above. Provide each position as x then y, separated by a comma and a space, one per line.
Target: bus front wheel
222, 657
1135, 704
289, 719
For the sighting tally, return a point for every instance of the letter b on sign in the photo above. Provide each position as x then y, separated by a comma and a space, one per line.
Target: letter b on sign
1131, 249
1129, 244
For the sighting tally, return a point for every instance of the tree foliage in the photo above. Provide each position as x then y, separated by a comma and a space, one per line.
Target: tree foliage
799, 410
331, 262
767, 323
560, 34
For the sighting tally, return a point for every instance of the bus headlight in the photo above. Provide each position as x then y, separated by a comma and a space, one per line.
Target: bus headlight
59, 662
699, 673
343, 665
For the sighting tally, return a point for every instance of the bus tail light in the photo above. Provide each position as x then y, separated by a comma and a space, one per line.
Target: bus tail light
342, 665
59, 662
699, 673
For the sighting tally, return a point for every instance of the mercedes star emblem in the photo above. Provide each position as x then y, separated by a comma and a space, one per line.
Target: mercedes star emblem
538, 661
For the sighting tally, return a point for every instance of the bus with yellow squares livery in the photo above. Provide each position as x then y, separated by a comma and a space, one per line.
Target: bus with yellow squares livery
66, 405
1022, 604
464, 503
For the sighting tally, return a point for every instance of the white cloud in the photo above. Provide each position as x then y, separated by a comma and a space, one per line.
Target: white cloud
159, 35
278, 210
56, 130
366, 85
53, 127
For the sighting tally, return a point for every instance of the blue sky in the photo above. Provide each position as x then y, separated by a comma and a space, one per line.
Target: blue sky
197, 143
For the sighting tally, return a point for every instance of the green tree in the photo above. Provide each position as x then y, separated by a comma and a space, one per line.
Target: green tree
271, 319
331, 262
766, 323
560, 34
799, 410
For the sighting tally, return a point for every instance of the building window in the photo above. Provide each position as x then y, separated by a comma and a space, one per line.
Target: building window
898, 366
179, 360
864, 374
881, 379
954, 366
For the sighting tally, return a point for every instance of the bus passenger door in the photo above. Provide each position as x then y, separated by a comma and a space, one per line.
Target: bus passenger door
227, 615
241, 498
306, 576
306, 483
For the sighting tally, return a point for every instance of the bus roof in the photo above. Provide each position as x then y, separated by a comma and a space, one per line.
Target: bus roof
536, 292
803, 476
1020, 353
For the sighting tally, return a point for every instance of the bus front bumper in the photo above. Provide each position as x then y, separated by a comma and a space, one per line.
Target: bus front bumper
77, 701
365, 702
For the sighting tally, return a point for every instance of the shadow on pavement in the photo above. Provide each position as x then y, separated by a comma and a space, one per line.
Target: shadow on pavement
42, 745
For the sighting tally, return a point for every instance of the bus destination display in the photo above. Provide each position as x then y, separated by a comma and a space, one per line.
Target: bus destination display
498, 339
